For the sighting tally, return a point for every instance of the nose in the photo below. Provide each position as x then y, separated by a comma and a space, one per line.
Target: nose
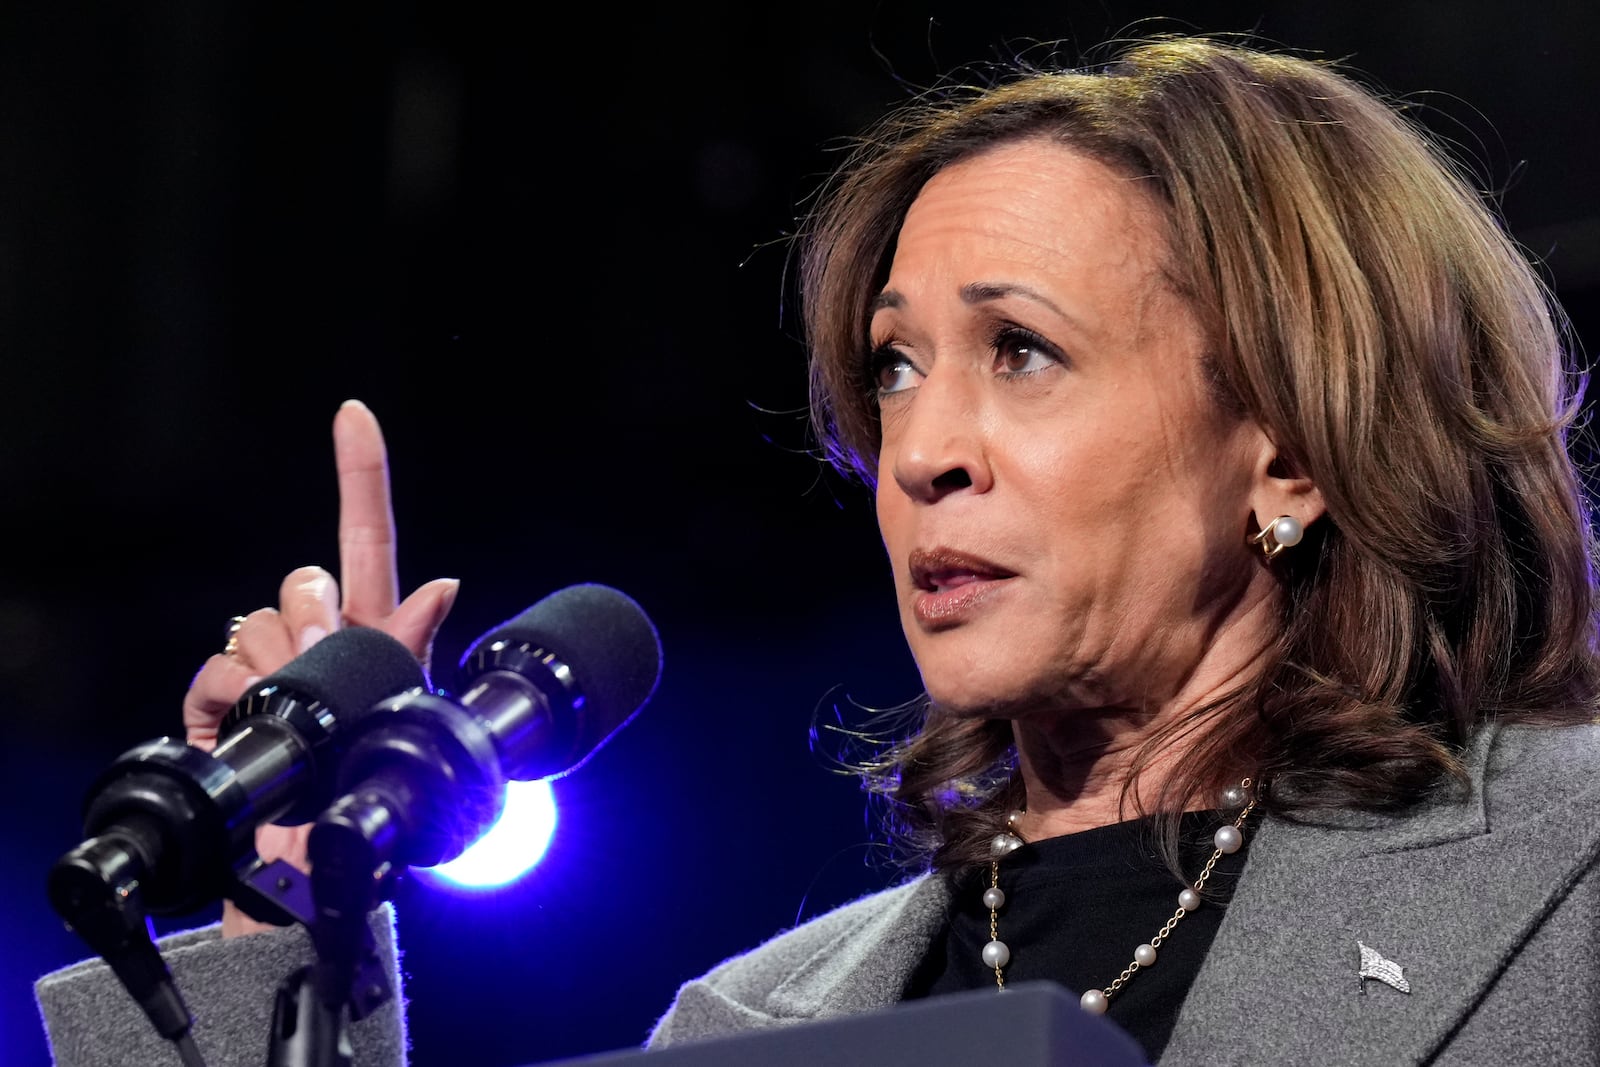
936, 443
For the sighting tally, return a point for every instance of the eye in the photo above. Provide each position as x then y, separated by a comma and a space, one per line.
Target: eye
891, 371
1019, 352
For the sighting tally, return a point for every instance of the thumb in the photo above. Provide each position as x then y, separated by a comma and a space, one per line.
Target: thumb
418, 618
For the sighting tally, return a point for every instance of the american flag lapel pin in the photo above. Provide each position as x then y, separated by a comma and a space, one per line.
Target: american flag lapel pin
1374, 965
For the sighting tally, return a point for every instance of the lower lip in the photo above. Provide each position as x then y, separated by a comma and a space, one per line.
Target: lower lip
953, 606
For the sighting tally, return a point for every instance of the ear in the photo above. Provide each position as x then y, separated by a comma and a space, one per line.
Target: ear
1279, 486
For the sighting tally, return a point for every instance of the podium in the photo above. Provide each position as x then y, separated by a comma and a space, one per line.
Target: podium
1031, 1024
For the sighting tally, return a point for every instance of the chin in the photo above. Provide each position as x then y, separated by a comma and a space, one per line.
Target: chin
960, 669
987, 692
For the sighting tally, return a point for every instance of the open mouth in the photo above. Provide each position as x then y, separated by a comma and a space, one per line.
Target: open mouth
941, 570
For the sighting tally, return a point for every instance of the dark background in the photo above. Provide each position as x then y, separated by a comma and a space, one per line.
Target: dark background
548, 252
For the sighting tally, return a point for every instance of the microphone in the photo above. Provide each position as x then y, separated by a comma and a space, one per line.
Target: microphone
181, 815
425, 775
165, 824
598, 648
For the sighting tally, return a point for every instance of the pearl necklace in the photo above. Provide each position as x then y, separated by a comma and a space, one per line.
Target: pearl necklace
1228, 839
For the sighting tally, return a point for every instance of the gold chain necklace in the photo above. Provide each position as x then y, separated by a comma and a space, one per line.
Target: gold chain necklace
1228, 839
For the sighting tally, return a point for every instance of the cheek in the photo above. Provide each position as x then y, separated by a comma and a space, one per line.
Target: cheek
894, 514
1122, 519
884, 506
1087, 483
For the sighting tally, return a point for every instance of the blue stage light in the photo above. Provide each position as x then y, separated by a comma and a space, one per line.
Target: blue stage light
513, 846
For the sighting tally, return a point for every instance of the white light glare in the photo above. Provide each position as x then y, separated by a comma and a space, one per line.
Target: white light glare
513, 846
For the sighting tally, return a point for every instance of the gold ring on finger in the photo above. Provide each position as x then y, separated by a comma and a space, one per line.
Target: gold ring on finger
232, 644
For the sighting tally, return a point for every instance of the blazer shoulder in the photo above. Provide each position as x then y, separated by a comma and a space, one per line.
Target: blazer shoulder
748, 990
1517, 743
1531, 769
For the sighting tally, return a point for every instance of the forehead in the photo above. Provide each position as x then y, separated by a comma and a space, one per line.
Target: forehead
1084, 239
1037, 203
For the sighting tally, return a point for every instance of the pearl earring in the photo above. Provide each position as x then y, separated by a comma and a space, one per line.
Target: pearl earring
1283, 532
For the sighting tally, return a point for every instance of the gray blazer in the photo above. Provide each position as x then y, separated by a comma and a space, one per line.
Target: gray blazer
1488, 901
229, 985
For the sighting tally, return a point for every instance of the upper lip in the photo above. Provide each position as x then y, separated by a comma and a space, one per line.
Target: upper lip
933, 567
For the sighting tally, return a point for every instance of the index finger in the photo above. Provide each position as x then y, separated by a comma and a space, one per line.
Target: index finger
367, 566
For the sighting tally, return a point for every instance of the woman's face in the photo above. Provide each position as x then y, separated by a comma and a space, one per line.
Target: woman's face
1064, 503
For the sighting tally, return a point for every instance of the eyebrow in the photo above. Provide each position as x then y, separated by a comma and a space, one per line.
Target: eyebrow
974, 293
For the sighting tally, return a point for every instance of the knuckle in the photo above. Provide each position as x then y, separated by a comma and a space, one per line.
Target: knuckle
366, 534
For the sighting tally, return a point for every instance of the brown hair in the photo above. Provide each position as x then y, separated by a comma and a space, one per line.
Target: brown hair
1367, 310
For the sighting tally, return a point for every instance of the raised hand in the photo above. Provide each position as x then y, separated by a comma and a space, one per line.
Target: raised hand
311, 605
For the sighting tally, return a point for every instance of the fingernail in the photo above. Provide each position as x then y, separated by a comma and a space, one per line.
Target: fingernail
310, 635
353, 403
448, 599
321, 587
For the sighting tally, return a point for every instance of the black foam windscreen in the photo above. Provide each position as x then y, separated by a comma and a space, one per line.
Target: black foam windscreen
608, 641
350, 671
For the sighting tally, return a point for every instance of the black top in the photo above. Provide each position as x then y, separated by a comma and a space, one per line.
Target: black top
1077, 906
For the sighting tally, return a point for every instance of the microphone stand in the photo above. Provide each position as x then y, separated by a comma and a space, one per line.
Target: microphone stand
427, 782
315, 1004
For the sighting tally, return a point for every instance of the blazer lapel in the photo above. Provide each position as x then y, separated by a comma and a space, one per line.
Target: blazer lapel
1443, 894
865, 967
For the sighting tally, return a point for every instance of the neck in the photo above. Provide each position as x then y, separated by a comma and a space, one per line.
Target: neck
1076, 783
1078, 765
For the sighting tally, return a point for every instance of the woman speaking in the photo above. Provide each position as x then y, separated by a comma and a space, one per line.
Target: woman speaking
1218, 439
1217, 433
